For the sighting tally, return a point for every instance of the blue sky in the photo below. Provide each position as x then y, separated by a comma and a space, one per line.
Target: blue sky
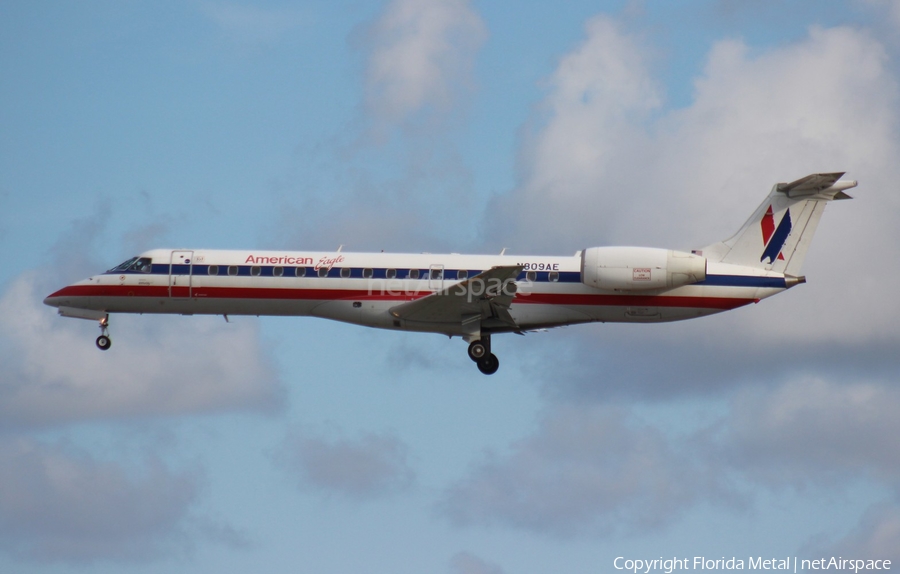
285, 445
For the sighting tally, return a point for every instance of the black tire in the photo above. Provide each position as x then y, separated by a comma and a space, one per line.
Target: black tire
103, 342
489, 365
477, 350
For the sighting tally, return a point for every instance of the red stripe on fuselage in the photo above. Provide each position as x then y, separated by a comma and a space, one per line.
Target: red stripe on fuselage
162, 292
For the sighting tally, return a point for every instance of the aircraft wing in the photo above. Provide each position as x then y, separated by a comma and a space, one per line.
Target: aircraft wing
485, 296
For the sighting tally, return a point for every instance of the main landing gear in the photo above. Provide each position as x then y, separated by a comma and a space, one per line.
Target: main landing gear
480, 352
103, 341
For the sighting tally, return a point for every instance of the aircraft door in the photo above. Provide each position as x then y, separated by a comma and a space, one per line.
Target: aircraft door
436, 277
181, 268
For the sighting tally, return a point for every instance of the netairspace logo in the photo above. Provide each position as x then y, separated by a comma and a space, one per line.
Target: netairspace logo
787, 564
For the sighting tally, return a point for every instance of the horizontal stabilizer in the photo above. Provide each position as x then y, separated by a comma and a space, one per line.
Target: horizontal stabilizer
829, 185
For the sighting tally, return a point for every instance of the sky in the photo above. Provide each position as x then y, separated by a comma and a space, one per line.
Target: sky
301, 445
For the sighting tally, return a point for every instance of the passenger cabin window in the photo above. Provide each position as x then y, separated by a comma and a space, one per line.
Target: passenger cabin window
462, 274
232, 269
437, 273
323, 272
368, 273
255, 270
390, 273
530, 276
345, 272
301, 271
413, 273
213, 270
278, 271
554, 276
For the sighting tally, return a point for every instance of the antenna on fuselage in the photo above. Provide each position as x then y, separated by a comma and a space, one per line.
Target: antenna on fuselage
503, 251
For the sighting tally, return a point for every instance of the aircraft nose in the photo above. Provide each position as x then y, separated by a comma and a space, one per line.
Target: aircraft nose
54, 299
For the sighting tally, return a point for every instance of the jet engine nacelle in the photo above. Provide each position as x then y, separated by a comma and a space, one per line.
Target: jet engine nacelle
640, 268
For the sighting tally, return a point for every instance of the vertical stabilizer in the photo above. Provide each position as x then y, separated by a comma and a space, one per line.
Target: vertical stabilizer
778, 234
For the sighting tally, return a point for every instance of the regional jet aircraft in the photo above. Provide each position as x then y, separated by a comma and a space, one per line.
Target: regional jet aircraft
472, 296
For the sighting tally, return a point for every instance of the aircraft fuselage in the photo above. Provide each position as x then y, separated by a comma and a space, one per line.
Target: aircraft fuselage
362, 288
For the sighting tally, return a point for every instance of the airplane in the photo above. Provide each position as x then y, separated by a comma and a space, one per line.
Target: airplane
472, 296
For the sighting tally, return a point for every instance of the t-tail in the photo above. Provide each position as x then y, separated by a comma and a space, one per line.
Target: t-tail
778, 234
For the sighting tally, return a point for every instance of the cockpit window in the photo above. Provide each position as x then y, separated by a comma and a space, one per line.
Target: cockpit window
142, 265
123, 266
138, 264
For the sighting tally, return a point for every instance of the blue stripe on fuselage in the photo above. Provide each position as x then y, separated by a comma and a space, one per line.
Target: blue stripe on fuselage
743, 281
335, 272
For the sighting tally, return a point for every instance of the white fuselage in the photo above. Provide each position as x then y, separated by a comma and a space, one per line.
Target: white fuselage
362, 288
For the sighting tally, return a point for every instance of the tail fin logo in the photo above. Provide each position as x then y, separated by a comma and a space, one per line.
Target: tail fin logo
774, 238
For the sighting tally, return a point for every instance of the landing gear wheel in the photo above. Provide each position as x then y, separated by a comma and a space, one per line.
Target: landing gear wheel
489, 364
477, 350
103, 341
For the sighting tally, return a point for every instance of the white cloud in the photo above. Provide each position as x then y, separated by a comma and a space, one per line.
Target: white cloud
395, 181
821, 433
369, 466
815, 432
812, 430
249, 24
600, 97
405, 192
465, 563
875, 537
824, 103
598, 470
157, 366
704, 358
59, 505
421, 55
585, 469
606, 163
889, 8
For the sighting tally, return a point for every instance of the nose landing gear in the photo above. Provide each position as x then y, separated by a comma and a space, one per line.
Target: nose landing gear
103, 341
480, 352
